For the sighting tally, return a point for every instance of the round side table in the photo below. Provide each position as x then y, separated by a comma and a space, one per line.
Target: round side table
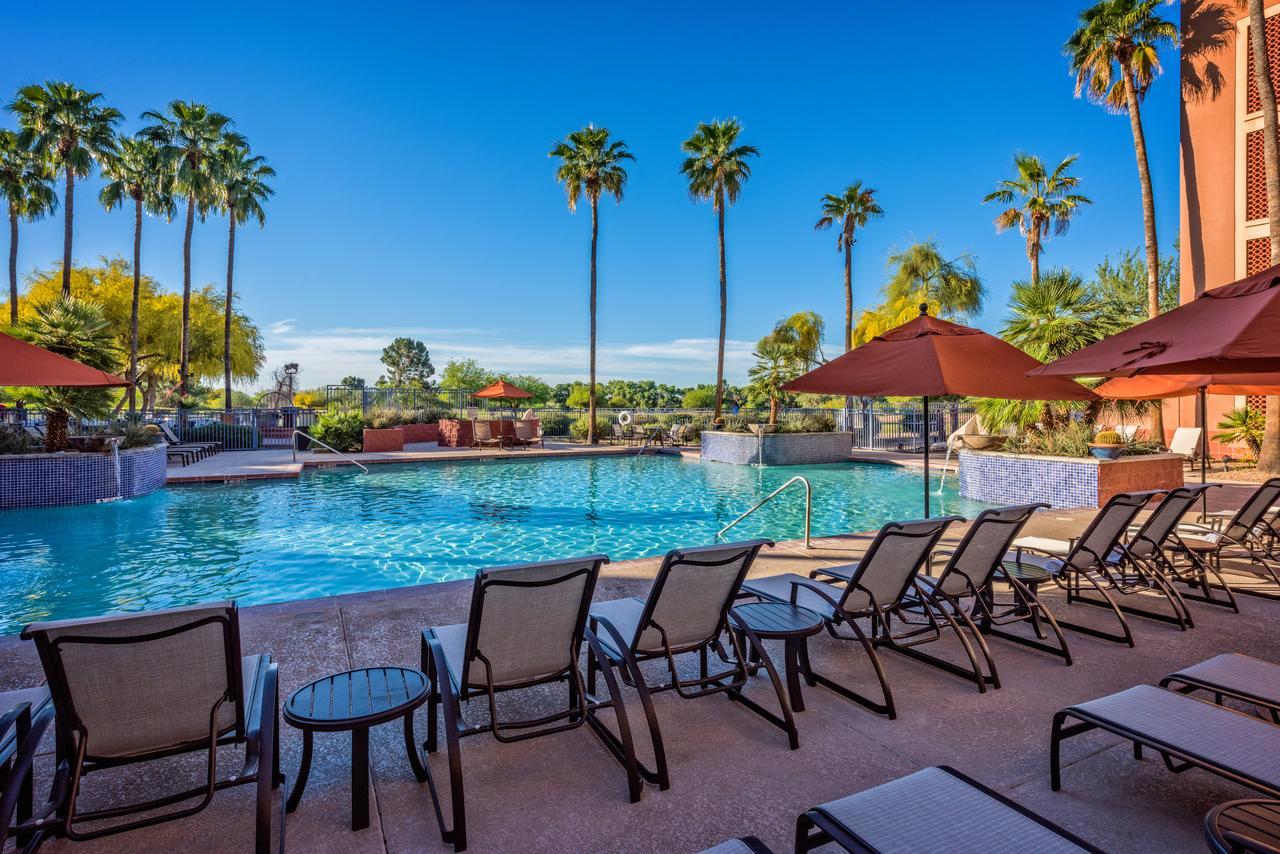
1251, 826
791, 624
354, 701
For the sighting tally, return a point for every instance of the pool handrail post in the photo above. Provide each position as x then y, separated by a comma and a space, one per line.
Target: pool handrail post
294, 447
808, 506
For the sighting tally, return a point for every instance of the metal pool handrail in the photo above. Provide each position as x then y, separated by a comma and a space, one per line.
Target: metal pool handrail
311, 438
808, 506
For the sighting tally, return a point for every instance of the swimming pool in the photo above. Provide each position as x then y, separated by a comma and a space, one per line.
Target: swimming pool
340, 531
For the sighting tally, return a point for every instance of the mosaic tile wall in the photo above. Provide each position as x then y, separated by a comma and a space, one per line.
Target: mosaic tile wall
780, 449
55, 480
1004, 479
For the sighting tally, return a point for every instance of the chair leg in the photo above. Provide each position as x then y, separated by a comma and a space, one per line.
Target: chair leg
882, 708
457, 837
267, 762
624, 741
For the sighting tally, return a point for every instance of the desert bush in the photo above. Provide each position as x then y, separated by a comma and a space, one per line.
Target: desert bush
578, 429
230, 435
1066, 440
15, 440
343, 429
809, 422
555, 424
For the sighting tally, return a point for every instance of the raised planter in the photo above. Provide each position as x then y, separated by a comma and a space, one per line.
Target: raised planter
389, 439
776, 449
1063, 482
415, 433
54, 480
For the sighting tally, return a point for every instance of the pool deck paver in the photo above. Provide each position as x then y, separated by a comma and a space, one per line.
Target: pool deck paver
731, 772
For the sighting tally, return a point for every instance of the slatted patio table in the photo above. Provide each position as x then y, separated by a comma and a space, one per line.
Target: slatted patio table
1244, 826
791, 624
354, 701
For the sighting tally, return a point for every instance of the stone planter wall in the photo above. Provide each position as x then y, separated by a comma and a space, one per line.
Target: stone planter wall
414, 433
389, 439
776, 449
54, 480
1063, 482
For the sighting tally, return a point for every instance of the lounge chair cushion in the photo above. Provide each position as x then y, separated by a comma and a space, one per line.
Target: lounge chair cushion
779, 587
1236, 674
624, 615
1044, 545
1219, 736
935, 811
37, 697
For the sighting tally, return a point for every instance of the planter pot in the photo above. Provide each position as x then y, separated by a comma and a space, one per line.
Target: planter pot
763, 429
1106, 452
390, 439
998, 477
983, 443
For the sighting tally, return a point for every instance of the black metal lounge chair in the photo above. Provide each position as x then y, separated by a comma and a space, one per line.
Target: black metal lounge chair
134, 688
1251, 536
876, 590
964, 584
24, 717
525, 628
686, 611
1158, 546
204, 449
933, 811
1249, 826
1186, 732
740, 845
1075, 565
1250, 680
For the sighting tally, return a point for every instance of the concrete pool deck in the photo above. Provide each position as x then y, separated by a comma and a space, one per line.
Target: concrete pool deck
731, 772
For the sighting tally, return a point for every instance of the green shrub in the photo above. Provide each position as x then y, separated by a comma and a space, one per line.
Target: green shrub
1067, 440
555, 424
1244, 427
578, 429
344, 430
428, 415
736, 424
135, 435
383, 417
693, 430
230, 435
809, 422
15, 440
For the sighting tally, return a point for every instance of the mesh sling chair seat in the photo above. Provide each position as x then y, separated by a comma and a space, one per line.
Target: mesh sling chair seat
876, 590
25, 715
525, 629
1251, 536
1158, 546
138, 687
933, 811
1087, 563
1186, 732
482, 435
739, 845
961, 596
1241, 677
686, 611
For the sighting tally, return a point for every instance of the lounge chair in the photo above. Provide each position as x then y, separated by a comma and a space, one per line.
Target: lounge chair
1186, 732
962, 597
528, 434
1186, 442
675, 436
525, 629
877, 589
620, 434
1237, 827
134, 688
482, 436
1084, 562
933, 811
1251, 535
25, 715
206, 448
686, 611
1249, 680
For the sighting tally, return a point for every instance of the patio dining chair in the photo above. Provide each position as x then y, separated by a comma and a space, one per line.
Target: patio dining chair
1251, 536
134, 688
525, 629
686, 611
1087, 563
876, 589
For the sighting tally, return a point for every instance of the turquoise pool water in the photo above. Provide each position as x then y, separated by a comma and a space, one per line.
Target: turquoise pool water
341, 531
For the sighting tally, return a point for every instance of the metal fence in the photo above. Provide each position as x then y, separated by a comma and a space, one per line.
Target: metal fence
236, 429
901, 428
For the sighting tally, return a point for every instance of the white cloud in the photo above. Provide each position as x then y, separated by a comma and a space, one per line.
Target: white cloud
280, 327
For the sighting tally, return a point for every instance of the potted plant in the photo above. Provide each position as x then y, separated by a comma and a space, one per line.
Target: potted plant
1106, 445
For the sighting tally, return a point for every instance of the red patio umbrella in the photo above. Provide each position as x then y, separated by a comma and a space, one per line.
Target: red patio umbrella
928, 357
26, 364
502, 389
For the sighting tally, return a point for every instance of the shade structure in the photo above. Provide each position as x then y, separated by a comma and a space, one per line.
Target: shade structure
502, 389
1161, 386
1228, 330
26, 364
928, 357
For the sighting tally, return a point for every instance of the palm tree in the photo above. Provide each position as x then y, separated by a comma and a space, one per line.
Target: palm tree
1114, 56
592, 164
242, 189
1041, 201
136, 174
951, 287
188, 135
716, 169
66, 127
26, 185
776, 365
851, 209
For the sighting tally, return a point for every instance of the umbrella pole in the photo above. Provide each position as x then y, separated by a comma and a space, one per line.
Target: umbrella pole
925, 399
1201, 393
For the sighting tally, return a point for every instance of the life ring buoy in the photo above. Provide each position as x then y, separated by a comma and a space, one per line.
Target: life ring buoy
624, 418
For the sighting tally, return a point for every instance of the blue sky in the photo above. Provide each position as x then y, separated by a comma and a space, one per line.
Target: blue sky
415, 195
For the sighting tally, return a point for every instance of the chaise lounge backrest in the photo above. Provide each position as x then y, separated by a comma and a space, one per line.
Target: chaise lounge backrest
897, 553
135, 685
1251, 512
983, 547
1105, 530
1163, 521
526, 621
692, 594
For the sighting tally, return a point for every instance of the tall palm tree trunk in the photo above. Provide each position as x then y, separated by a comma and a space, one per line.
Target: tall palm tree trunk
1033, 255
1148, 220
591, 372
183, 364
133, 308
724, 313
13, 264
848, 293
226, 316
68, 204
1269, 453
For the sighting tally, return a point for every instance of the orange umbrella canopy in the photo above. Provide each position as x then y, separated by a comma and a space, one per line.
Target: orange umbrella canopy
26, 364
502, 388
931, 357
1158, 387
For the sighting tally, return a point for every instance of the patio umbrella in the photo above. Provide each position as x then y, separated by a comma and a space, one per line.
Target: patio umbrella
26, 364
502, 390
929, 357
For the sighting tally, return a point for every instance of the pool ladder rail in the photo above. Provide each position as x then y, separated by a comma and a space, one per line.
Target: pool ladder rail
808, 506
311, 438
